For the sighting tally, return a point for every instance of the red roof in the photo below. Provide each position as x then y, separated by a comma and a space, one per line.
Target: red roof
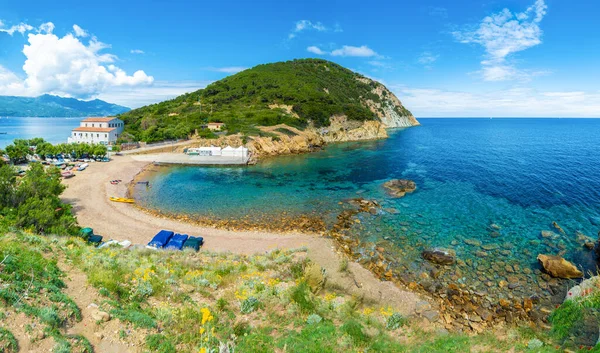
94, 129
99, 119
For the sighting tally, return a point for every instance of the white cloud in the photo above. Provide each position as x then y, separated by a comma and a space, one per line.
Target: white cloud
20, 28
46, 28
503, 34
514, 102
79, 32
304, 25
67, 67
348, 50
137, 51
427, 58
227, 69
315, 50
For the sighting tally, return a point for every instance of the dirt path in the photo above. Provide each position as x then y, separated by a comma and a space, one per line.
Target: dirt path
104, 336
89, 191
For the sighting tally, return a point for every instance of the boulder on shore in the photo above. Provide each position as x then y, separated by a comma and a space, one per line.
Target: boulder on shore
439, 256
399, 187
558, 267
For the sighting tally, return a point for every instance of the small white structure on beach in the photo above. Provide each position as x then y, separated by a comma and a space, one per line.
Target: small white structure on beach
235, 152
204, 151
241, 152
104, 130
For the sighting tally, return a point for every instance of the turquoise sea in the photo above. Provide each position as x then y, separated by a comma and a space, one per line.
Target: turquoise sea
55, 130
486, 188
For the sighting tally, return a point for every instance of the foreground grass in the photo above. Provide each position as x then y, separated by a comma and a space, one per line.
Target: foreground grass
203, 302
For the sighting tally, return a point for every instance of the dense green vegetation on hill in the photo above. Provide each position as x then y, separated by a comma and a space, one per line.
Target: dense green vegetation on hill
315, 90
49, 106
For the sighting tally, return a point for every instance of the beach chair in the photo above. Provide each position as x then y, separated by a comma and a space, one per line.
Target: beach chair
194, 243
176, 242
160, 239
95, 239
86, 233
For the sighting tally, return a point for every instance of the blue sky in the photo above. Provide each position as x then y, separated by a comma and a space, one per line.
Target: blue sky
441, 58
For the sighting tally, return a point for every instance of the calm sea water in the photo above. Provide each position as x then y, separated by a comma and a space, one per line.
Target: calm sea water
55, 130
520, 174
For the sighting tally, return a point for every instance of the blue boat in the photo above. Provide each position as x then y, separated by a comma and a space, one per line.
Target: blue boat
176, 242
160, 239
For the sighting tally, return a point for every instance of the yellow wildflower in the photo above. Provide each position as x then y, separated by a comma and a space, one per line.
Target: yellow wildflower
206, 315
202, 350
386, 311
330, 296
202, 330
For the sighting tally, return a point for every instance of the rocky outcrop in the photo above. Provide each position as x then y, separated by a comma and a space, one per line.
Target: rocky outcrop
439, 256
399, 187
558, 267
342, 130
389, 109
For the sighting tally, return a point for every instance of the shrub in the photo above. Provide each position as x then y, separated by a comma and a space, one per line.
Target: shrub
395, 321
302, 296
313, 319
355, 330
8, 342
249, 305
160, 343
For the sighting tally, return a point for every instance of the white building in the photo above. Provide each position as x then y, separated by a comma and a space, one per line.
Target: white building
204, 151
105, 130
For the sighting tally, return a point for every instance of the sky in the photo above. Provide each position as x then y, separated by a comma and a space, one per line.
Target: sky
500, 58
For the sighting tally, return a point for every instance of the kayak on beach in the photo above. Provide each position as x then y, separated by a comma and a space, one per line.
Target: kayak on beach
122, 199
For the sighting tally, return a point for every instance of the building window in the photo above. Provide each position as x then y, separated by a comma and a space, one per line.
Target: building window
105, 135
98, 135
92, 125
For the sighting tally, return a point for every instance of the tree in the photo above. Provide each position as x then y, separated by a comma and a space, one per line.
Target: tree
18, 152
7, 182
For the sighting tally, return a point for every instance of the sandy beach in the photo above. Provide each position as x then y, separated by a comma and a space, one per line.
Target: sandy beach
89, 193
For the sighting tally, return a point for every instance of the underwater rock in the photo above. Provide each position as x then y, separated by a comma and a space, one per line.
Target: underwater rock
548, 234
472, 242
439, 256
399, 187
559, 267
557, 227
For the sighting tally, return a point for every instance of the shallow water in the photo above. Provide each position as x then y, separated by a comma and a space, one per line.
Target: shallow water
519, 174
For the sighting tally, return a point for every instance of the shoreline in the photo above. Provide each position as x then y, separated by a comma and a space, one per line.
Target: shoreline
456, 306
89, 194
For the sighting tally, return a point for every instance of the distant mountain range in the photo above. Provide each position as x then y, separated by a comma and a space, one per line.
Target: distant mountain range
54, 106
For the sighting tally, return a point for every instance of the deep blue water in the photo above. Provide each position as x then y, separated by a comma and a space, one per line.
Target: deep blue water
55, 130
520, 174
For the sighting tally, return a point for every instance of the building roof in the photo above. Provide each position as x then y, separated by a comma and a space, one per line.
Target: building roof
94, 129
216, 123
104, 119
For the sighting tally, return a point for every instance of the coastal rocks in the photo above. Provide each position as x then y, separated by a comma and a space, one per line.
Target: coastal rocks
399, 187
341, 129
100, 316
439, 256
363, 205
559, 267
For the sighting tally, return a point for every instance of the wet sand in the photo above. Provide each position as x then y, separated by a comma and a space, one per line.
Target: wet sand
89, 193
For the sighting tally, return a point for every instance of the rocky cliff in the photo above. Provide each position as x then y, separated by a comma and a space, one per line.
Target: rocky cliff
388, 107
